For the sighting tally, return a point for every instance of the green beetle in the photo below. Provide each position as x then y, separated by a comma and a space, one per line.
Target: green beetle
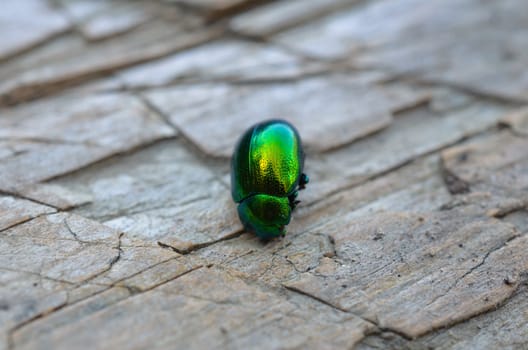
266, 174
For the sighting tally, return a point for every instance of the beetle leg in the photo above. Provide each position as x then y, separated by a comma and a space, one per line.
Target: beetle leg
303, 181
292, 199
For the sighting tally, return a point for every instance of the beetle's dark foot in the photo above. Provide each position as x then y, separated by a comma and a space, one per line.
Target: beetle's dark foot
294, 203
303, 181
292, 199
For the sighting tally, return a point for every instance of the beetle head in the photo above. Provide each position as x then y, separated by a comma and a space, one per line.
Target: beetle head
265, 215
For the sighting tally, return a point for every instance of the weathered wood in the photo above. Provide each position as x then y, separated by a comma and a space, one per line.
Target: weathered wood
216, 9
223, 60
416, 286
277, 16
28, 24
479, 49
51, 68
117, 228
99, 20
63, 134
177, 309
351, 107
149, 195
517, 121
14, 211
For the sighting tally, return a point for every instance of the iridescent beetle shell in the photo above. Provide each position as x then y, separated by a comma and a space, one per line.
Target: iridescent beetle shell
266, 173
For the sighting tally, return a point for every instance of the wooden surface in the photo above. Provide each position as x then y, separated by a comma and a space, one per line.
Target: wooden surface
117, 119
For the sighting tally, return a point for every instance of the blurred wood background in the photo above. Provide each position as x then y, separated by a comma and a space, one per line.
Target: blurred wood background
117, 120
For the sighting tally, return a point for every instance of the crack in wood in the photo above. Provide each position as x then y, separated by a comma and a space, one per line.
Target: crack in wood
49, 141
398, 166
41, 276
133, 291
15, 194
473, 268
24, 221
116, 155
406, 342
366, 320
454, 184
198, 246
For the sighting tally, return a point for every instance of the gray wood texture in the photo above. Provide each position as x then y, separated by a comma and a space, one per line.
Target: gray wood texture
117, 120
